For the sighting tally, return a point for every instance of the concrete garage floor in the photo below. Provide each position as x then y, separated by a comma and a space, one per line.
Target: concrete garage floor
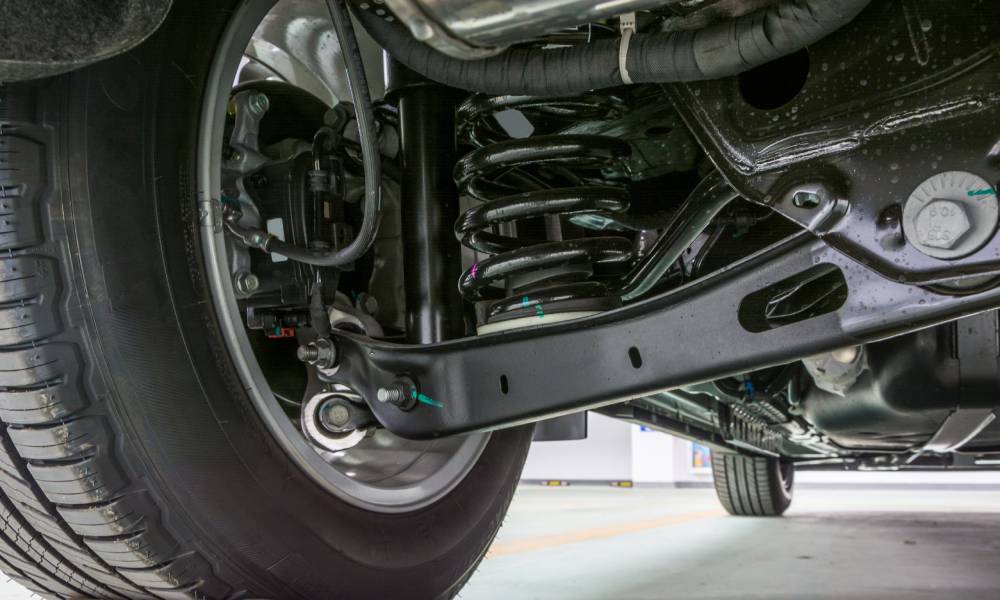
589, 543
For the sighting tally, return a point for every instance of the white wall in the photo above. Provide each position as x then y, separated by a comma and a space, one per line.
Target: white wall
653, 456
605, 455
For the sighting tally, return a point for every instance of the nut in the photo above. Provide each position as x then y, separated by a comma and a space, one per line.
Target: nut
401, 393
941, 223
320, 353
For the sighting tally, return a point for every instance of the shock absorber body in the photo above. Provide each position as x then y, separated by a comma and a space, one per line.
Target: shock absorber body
538, 199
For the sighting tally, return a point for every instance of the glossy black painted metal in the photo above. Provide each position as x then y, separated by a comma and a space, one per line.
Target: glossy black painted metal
892, 99
685, 336
429, 208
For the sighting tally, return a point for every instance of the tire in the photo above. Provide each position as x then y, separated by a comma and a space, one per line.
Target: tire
752, 486
131, 462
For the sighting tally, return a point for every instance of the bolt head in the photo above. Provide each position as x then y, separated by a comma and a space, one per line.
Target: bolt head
259, 103
334, 416
941, 223
247, 283
846, 356
421, 29
368, 303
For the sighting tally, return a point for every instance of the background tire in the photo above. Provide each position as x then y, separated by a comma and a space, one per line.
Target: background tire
131, 462
752, 485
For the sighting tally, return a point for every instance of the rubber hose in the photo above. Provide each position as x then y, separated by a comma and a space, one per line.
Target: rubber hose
720, 50
372, 163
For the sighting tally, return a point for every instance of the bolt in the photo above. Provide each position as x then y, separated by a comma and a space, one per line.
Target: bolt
846, 356
400, 393
259, 103
308, 353
941, 223
334, 415
421, 29
367, 303
320, 353
246, 283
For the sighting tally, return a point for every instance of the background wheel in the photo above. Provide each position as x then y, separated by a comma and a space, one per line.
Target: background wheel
133, 461
752, 485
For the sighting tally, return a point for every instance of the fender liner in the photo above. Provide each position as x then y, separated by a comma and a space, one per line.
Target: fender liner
39, 39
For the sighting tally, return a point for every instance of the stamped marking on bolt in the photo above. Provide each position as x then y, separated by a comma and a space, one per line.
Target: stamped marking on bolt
425, 399
941, 223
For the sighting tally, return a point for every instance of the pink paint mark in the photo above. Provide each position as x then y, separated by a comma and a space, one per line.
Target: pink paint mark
475, 269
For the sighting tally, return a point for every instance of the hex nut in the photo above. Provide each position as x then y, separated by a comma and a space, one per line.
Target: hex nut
941, 223
401, 393
320, 353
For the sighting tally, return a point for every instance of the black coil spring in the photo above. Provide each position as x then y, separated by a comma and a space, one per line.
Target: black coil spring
551, 178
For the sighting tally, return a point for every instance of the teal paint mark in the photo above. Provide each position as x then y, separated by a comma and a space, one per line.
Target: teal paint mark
425, 399
526, 303
982, 192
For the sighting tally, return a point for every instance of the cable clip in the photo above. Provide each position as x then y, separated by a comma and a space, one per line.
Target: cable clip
626, 25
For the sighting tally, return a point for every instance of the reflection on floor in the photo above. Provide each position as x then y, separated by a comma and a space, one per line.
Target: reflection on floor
590, 543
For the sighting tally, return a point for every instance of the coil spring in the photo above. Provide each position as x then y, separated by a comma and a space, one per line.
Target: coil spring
552, 177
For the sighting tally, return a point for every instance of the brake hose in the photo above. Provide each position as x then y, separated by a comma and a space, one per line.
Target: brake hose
371, 159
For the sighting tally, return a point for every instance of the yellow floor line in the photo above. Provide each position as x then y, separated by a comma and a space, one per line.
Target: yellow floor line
597, 533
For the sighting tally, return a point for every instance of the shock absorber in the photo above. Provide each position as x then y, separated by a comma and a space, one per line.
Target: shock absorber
543, 204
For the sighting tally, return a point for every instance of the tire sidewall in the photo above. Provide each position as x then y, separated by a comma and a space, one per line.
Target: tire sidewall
185, 425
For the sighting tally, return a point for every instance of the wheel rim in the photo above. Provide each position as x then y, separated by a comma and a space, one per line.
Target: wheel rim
383, 473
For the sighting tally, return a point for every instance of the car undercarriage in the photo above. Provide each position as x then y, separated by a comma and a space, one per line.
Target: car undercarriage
744, 262
768, 226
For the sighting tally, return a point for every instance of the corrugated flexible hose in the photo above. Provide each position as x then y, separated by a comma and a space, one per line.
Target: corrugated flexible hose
720, 50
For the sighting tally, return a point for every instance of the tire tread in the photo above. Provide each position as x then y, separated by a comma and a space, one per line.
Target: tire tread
71, 523
748, 485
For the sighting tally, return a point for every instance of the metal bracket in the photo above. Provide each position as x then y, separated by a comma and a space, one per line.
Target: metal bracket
689, 335
958, 429
920, 114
